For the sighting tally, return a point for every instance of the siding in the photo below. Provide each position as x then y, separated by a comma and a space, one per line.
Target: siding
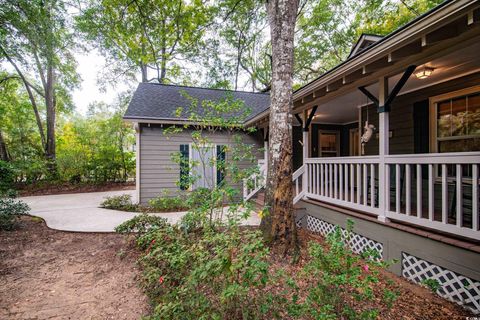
401, 115
158, 173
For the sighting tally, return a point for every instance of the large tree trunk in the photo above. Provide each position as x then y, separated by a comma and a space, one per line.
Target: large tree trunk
4, 156
50, 149
279, 225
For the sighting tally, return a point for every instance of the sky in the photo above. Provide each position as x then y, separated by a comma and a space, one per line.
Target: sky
89, 66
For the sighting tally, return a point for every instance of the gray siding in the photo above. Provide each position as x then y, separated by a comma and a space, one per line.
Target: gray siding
158, 173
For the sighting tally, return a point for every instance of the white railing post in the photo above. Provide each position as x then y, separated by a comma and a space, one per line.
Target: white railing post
383, 144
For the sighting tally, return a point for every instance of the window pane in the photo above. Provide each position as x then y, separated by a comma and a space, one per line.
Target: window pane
459, 145
459, 119
328, 142
473, 115
444, 119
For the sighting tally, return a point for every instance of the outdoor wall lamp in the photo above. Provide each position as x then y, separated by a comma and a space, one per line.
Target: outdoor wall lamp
423, 72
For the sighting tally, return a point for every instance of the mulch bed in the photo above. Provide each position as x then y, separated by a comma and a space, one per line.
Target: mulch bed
48, 188
49, 274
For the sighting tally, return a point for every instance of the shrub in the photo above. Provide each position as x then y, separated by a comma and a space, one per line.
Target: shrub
141, 224
431, 284
7, 176
122, 202
165, 203
10, 209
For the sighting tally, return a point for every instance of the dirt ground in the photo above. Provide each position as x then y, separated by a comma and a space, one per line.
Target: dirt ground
47, 188
47, 274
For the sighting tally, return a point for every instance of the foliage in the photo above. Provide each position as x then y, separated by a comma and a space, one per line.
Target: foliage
10, 209
156, 35
140, 224
431, 284
340, 275
7, 176
166, 203
122, 202
97, 147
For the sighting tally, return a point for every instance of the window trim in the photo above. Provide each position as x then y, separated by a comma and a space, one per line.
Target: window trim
433, 114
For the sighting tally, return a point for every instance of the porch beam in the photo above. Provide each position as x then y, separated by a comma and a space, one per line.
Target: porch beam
408, 72
299, 119
369, 96
310, 118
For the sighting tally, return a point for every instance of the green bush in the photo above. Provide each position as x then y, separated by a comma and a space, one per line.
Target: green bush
10, 210
141, 224
165, 203
122, 202
7, 176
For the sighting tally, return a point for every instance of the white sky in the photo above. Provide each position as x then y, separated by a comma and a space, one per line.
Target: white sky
89, 66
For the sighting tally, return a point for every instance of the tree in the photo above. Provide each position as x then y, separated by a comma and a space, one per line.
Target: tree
162, 36
279, 224
36, 41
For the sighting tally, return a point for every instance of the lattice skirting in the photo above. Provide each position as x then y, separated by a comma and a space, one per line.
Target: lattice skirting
358, 243
454, 287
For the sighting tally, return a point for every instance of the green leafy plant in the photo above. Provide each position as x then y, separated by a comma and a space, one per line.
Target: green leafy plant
10, 210
7, 176
431, 284
122, 202
166, 203
140, 224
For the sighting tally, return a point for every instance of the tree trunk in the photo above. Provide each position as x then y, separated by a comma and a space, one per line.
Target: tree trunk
50, 150
4, 156
143, 68
279, 225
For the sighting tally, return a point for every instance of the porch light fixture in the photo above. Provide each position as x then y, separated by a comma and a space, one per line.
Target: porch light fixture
423, 72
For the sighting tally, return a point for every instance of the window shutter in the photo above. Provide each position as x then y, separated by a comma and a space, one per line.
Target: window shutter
221, 155
184, 166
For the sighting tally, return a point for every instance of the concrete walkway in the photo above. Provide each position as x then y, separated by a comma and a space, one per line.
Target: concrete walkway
80, 212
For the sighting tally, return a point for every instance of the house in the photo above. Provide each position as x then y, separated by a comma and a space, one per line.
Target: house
154, 108
390, 138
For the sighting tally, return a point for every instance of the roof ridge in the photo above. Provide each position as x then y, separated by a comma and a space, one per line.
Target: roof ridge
203, 88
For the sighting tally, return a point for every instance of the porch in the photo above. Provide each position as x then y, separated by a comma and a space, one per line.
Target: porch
394, 132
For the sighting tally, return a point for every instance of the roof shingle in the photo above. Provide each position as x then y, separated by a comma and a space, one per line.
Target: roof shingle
153, 101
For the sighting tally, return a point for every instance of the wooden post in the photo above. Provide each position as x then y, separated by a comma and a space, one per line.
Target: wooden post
384, 134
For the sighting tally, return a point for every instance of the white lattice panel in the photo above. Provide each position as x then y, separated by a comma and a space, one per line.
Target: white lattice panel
358, 243
454, 287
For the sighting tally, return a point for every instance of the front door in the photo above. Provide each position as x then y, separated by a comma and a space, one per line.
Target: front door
328, 143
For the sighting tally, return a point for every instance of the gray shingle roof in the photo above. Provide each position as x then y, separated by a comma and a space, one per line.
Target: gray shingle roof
153, 101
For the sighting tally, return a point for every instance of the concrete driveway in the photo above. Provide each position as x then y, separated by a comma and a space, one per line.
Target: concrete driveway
80, 212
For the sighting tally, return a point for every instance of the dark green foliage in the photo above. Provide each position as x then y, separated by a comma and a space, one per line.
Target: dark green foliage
166, 204
7, 176
10, 210
141, 224
122, 203
431, 284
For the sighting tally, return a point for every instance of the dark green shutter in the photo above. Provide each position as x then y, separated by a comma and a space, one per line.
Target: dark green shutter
220, 163
184, 171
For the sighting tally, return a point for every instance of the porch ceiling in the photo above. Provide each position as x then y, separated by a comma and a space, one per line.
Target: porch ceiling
344, 108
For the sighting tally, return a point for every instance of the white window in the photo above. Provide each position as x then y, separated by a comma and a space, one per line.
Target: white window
455, 121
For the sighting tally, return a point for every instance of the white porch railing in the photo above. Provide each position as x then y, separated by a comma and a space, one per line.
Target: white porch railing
446, 200
299, 182
346, 181
437, 191
255, 182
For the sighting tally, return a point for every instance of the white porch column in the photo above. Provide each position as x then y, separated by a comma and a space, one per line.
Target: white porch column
305, 150
384, 135
265, 150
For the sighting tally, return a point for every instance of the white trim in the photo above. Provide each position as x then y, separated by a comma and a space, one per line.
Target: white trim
137, 160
